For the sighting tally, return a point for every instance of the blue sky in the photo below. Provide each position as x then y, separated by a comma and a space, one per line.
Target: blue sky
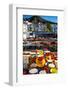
49, 18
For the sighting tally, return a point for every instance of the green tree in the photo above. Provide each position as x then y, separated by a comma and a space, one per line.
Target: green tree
49, 27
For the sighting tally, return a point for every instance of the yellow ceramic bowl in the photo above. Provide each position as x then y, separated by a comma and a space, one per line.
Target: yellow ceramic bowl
40, 63
53, 70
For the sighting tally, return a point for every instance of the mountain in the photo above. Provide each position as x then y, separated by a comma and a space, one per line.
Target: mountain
37, 19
